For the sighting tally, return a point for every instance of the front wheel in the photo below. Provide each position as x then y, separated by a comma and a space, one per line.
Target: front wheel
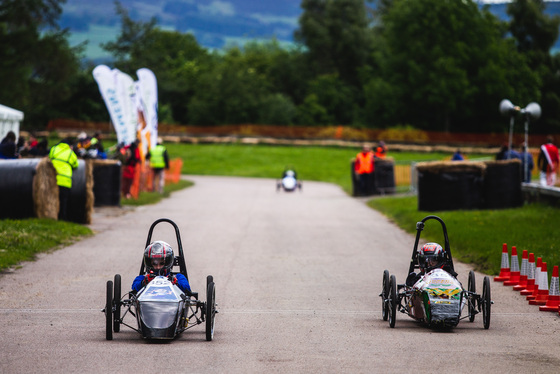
117, 302
471, 298
210, 310
392, 301
385, 296
486, 302
109, 312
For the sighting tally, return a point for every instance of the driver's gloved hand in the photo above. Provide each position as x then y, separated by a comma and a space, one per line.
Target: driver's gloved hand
148, 278
411, 279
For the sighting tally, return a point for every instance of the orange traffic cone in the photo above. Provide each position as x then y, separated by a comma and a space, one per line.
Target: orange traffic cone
504, 268
524, 271
514, 274
553, 301
542, 293
535, 290
530, 276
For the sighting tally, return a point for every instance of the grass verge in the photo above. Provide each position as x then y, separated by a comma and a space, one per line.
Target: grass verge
146, 198
476, 236
21, 240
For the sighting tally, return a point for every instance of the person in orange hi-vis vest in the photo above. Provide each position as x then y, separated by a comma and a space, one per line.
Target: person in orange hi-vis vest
364, 167
381, 150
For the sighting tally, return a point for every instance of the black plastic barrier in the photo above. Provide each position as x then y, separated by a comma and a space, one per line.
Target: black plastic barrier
18, 182
502, 184
458, 185
16, 188
381, 181
107, 182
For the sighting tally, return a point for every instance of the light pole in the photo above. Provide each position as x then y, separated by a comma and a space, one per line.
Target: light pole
531, 111
508, 109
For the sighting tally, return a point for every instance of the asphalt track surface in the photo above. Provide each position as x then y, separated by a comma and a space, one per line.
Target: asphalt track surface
297, 281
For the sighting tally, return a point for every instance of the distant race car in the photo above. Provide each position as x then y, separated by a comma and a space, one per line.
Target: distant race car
289, 181
436, 297
161, 309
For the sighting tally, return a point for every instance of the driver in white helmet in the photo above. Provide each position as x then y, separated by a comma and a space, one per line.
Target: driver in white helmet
430, 256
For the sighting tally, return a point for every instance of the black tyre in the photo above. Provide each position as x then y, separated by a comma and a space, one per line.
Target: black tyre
210, 311
385, 296
392, 301
117, 301
486, 302
209, 279
109, 312
471, 298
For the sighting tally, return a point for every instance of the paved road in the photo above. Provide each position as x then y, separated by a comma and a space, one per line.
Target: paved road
297, 277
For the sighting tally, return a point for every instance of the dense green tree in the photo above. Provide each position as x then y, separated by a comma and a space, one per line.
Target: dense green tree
176, 59
535, 34
37, 65
443, 64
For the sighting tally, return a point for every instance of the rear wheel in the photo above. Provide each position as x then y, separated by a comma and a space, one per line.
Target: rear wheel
471, 297
117, 301
109, 312
209, 279
385, 295
392, 301
486, 302
210, 310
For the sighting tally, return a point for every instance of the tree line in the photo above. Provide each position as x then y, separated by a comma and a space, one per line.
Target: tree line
426, 64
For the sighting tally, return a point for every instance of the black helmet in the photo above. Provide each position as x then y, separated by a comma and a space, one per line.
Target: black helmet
431, 256
156, 254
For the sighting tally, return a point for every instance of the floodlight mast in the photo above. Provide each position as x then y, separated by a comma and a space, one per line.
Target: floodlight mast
531, 111
508, 109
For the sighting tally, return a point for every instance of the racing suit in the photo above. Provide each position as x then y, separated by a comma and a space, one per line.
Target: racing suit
178, 279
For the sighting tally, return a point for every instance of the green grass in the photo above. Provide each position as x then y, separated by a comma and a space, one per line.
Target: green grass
21, 240
476, 236
326, 164
146, 198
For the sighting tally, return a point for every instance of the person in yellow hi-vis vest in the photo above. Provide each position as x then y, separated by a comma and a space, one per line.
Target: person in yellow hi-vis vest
159, 161
64, 161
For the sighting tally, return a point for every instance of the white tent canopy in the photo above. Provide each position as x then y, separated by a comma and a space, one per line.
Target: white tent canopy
9, 121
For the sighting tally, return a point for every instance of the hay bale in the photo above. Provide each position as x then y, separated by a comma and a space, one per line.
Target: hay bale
45, 190
437, 167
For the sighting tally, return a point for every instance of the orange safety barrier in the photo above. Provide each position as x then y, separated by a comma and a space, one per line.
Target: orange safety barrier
173, 174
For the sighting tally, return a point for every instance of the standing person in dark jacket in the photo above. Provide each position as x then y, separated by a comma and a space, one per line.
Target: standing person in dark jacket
132, 157
64, 161
159, 162
526, 158
8, 148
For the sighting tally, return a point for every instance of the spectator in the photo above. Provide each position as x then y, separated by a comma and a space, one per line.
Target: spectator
64, 161
40, 150
526, 158
8, 147
512, 154
132, 157
381, 150
159, 162
457, 156
502, 153
548, 162
364, 167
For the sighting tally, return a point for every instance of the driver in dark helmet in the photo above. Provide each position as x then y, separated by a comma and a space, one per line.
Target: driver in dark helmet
158, 260
431, 256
